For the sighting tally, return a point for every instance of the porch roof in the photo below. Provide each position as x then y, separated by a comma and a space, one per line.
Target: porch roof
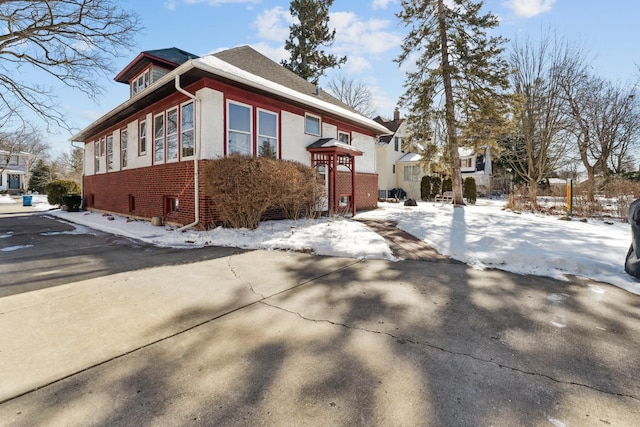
333, 145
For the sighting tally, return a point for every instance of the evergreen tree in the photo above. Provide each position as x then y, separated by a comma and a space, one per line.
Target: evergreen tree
307, 36
458, 67
40, 176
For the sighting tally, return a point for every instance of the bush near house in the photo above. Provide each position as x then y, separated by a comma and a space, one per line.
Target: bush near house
243, 188
56, 190
447, 185
430, 187
469, 190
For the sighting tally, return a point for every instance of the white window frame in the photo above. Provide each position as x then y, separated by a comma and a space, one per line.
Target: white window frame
414, 172
124, 149
174, 135
184, 130
157, 148
140, 82
239, 131
344, 134
110, 166
96, 155
274, 137
307, 117
142, 139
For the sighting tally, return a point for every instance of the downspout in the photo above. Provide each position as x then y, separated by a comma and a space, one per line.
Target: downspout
196, 152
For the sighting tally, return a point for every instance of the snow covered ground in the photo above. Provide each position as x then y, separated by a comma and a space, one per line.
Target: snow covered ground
482, 235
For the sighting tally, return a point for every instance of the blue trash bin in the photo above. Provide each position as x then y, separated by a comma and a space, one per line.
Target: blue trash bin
26, 200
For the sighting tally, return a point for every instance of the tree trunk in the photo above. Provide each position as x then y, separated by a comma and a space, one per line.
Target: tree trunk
533, 193
450, 118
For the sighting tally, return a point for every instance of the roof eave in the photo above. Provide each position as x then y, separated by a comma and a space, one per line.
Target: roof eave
327, 108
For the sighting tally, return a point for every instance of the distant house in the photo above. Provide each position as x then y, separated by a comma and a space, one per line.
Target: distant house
144, 157
14, 171
478, 166
399, 164
389, 150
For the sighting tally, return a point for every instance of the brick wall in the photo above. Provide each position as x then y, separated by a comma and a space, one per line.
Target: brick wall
366, 188
148, 189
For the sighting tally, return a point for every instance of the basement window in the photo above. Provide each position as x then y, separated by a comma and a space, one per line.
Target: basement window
171, 204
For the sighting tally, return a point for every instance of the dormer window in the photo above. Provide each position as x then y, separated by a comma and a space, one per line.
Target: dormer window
140, 83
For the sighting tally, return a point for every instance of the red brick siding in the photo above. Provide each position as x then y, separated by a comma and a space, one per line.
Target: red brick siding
366, 188
150, 185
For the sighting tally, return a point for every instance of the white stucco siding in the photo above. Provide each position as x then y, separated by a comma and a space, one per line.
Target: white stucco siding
89, 159
136, 159
210, 123
132, 144
117, 164
294, 140
329, 130
367, 144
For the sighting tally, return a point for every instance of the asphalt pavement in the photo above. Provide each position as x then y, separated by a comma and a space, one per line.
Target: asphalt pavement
228, 337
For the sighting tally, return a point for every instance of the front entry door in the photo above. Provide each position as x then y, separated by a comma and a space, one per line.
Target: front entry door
14, 181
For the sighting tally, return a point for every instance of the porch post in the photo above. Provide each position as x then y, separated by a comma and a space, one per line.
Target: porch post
353, 185
334, 196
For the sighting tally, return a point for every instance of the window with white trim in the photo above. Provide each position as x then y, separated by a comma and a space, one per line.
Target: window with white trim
124, 140
110, 153
186, 128
344, 137
267, 134
140, 83
411, 173
142, 138
96, 153
172, 134
158, 138
312, 124
239, 129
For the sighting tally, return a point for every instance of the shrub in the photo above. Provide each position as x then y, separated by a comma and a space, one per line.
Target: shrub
430, 187
447, 185
56, 190
436, 183
469, 191
243, 188
425, 187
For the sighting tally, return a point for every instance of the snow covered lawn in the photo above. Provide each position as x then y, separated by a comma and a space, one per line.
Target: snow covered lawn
482, 235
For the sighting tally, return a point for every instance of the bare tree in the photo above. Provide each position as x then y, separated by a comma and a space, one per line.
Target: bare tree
72, 41
540, 140
355, 94
605, 122
69, 164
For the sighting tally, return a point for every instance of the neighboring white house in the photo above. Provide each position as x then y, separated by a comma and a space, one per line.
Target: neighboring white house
14, 171
400, 169
388, 152
478, 166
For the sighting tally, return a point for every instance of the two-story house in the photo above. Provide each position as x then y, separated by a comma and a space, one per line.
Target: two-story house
400, 169
144, 158
14, 171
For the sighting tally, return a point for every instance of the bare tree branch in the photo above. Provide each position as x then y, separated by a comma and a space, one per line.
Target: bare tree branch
72, 41
355, 94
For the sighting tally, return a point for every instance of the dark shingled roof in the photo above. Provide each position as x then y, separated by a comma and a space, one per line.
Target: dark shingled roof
248, 59
169, 58
392, 125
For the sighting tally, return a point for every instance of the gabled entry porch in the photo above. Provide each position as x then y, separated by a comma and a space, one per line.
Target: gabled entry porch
332, 154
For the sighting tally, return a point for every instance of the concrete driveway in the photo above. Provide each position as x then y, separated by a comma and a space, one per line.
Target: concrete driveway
276, 338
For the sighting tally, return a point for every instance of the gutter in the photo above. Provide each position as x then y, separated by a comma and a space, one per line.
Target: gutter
196, 152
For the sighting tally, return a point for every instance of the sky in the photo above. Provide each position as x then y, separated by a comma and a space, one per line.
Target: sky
367, 32
483, 236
